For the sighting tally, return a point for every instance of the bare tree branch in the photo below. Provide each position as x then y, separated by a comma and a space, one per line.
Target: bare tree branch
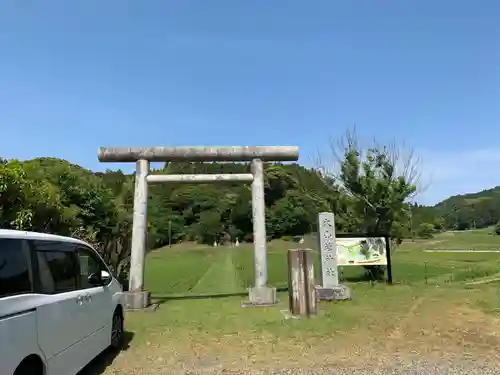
407, 164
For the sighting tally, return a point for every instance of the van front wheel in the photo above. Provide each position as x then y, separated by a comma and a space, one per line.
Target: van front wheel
117, 332
31, 365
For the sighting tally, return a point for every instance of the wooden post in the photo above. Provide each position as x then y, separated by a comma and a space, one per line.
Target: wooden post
301, 290
388, 255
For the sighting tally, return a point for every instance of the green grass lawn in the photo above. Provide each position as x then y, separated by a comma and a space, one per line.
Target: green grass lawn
479, 239
206, 270
429, 311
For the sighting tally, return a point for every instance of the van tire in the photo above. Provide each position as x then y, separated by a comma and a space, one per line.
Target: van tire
31, 365
117, 331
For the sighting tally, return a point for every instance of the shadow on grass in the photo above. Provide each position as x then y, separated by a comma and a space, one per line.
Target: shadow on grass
159, 299
362, 279
357, 279
99, 365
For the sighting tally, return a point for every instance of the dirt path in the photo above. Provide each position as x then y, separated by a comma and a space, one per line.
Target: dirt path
485, 280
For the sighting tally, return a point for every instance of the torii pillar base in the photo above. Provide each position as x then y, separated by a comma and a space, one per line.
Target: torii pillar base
261, 296
138, 300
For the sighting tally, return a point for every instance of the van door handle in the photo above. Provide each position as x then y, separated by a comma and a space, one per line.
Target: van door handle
79, 300
88, 297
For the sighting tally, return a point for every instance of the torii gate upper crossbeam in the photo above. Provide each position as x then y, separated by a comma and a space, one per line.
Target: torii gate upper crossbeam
212, 153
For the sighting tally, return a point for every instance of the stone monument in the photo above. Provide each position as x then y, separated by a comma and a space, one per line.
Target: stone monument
330, 289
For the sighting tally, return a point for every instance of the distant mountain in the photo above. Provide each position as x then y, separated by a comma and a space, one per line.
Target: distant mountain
467, 211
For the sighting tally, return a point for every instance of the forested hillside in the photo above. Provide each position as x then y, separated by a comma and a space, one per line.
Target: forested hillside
459, 212
477, 210
55, 196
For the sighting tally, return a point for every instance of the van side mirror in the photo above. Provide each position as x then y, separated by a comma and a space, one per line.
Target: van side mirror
94, 279
105, 277
97, 279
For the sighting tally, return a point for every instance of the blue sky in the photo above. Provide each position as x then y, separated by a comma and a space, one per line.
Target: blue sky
76, 75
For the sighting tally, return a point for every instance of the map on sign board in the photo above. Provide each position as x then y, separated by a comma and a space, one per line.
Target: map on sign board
361, 251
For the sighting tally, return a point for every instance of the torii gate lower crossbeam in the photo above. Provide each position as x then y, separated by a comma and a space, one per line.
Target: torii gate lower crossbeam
260, 293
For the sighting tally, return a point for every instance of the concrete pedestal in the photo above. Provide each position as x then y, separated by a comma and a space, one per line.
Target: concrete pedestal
137, 300
337, 293
263, 296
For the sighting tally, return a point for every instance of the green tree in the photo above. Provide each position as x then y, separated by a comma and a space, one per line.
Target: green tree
377, 181
14, 195
426, 230
209, 227
28, 204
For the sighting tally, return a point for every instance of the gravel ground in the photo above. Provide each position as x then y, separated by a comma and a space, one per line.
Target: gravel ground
406, 369
476, 361
456, 341
413, 368
417, 367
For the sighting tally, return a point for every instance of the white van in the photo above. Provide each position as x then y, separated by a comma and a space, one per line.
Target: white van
59, 304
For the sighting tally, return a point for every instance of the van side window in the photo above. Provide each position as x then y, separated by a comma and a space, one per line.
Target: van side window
15, 269
56, 266
90, 264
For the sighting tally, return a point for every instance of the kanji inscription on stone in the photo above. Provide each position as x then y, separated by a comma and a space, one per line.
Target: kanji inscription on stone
327, 257
330, 271
328, 249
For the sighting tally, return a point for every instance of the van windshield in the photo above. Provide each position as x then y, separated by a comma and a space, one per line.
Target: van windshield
15, 273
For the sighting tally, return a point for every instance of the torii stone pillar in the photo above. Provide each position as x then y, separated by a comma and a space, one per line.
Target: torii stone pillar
139, 233
260, 293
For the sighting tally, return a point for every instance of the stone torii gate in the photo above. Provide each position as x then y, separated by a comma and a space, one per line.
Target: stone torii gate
260, 293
